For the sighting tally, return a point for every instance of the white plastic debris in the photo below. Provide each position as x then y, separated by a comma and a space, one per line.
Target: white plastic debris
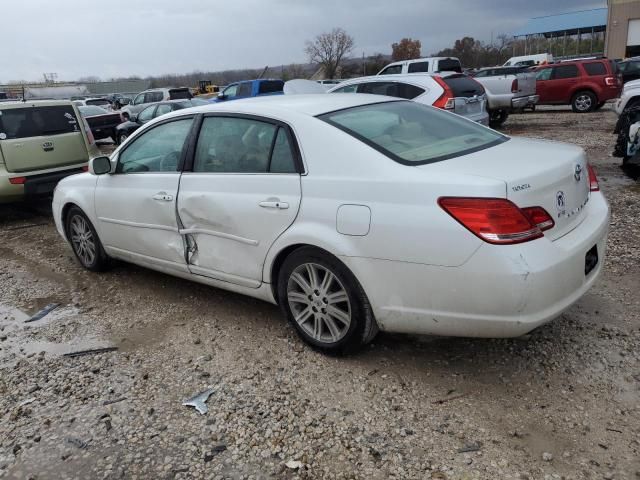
294, 464
199, 401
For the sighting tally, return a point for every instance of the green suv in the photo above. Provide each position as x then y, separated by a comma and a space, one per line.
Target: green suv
41, 142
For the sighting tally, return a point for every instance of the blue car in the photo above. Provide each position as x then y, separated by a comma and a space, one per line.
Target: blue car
250, 88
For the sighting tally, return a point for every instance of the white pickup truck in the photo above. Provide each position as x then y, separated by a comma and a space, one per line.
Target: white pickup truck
508, 89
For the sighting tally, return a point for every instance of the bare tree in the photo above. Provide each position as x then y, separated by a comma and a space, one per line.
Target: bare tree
329, 49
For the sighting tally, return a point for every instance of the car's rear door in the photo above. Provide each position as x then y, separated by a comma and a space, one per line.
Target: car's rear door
136, 205
42, 137
241, 193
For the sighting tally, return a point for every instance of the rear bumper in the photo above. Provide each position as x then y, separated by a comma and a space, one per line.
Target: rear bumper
522, 102
501, 291
34, 185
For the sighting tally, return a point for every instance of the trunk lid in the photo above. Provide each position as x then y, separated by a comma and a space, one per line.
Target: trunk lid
468, 94
41, 137
526, 84
550, 175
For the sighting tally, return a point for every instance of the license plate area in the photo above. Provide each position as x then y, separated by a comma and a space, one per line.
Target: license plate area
591, 260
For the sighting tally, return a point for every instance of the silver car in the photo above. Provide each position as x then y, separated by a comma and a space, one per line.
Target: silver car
454, 92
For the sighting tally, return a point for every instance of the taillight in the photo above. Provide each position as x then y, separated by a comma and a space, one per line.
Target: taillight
446, 100
610, 81
17, 180
494, 220
514, 86
594, 186
540, 217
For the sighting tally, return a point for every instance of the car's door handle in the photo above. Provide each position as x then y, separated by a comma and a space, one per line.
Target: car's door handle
163, 197
274, 204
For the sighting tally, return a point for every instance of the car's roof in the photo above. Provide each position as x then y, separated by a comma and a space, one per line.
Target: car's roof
415, 78
277, 105
35, 103
423, 59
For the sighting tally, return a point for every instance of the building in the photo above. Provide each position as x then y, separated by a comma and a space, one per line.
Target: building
564, 35
623, 32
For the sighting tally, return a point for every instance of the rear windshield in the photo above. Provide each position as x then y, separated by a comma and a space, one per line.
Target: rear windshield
411, 133
271, 86
92, 110
179, 93
463, 86
449, 65
595, 68
98, 101
39, 121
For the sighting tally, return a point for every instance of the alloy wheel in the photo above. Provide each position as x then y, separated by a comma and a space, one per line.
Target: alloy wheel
83, 241
319, 302
583, 103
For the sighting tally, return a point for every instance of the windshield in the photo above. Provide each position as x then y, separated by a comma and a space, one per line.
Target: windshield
413, 134
92, 110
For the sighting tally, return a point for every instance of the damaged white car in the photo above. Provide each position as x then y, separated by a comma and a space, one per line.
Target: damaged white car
355, 213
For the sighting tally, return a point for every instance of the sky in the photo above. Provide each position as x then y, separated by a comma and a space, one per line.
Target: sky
80, 38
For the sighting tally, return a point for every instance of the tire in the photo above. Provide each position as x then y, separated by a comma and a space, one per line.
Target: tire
84, 241
122, 137
497, 118
125, 116
305, 292
584, 102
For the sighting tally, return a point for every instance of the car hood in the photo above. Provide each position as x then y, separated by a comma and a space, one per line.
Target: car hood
631, 85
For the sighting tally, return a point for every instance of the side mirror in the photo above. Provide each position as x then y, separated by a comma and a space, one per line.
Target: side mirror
100, 165
221, 96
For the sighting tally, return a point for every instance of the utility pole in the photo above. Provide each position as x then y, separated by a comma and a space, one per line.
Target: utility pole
364, 66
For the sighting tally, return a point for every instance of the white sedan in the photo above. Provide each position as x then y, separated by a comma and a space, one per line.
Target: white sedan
355, 213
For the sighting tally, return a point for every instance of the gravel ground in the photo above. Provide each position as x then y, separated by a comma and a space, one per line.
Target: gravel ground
561, 402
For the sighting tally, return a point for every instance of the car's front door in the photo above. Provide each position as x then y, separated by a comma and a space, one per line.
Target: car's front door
136, 205
241, 193
543, 77
563, 81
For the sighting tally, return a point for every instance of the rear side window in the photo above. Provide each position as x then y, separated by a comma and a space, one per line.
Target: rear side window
595, 68
177, 94
245, 89
35, 122
151, 97
463, 86
419, 67
392, 70
271, 86
565, 71
391, 89
449, 65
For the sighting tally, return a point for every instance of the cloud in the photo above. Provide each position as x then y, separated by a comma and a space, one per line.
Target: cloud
78, 38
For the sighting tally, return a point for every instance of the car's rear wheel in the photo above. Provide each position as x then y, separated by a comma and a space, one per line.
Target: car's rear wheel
324, 301
122, 137
84, 241
584, 102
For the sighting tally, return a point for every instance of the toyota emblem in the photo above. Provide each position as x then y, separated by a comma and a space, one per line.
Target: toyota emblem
577, 174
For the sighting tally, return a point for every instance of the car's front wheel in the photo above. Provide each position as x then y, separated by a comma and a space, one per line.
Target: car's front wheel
324, 301
84, 241
122, 137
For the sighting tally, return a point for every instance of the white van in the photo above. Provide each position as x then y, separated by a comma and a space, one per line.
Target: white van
529, 60
423, 65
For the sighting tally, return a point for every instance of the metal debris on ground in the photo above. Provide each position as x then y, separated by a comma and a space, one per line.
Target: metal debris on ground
111, 402
92, 351
470, 447
76, 442
42, 313
22, 227
294, 464
26, 402
199, 401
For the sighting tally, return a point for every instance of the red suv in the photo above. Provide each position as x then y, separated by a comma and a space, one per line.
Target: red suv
583, 84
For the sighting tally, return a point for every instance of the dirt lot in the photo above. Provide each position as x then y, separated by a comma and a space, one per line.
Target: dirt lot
561, 402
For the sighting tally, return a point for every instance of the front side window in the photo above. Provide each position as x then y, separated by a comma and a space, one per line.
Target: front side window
391, 89
346, 89
392, 70
411, 133
146, 114
241, 145
231, 91
156, 150
36, 122
565, 71
162, 109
